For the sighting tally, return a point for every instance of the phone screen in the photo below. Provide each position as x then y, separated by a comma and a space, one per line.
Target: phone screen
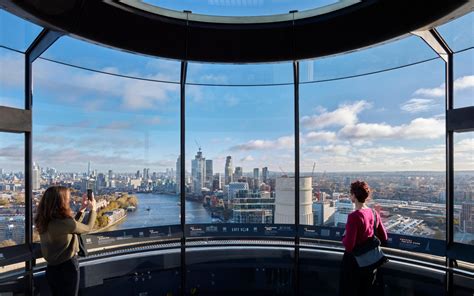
89, 194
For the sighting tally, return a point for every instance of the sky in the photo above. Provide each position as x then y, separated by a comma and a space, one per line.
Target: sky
390, 121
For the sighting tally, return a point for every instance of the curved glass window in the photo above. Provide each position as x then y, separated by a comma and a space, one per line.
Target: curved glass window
12, 79
15, 32
458, 33
241, 7
12, 189
392, 54
118, 136
463, 79
464, 188
239, 155
84, 54
382, 129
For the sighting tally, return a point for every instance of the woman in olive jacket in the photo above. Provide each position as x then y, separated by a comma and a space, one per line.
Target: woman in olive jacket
58, 231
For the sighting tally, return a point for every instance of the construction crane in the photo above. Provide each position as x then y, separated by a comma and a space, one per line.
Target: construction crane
284, 174
197, 144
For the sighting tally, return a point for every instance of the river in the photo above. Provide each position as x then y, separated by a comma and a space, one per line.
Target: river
161, 209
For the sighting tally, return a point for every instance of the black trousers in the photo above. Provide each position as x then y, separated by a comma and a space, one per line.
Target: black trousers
63, 279
354, 280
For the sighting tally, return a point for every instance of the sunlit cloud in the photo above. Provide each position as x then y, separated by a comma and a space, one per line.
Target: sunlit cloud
417, 105
345, 114
419, 128
286, 142
321, 136
460, 84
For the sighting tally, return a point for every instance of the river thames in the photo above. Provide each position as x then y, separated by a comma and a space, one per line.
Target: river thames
162, 209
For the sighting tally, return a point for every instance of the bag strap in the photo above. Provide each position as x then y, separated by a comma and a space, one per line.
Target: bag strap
375, 222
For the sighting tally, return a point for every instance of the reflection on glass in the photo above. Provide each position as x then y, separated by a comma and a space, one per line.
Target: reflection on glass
464, 188
240, 152
12, 79
383, 129
116, 136
12, 189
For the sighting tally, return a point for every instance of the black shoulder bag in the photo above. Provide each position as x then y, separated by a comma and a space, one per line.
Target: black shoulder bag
369, 255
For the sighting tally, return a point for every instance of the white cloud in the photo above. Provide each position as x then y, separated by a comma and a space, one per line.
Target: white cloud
416, 105
321, 136
330, 149
345, 114
462, 83
419, 128
247, 158
286, 142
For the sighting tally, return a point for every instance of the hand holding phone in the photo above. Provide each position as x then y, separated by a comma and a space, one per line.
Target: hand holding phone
90, 194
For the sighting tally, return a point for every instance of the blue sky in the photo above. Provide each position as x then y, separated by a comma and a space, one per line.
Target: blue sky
388, 121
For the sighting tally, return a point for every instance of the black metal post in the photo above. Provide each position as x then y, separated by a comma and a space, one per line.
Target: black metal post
449, 174
182, 177
41, 43
28, 179
296, 77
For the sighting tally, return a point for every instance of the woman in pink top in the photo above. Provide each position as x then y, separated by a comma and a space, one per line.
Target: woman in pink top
359, 228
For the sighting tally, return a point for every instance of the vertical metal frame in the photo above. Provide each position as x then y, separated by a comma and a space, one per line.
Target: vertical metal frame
42, 42
296, 84
434, 40
182, 177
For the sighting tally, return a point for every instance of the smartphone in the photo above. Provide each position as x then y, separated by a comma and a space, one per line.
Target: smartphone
90, 194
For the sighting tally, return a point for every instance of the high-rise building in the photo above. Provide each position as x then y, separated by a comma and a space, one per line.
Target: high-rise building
36, 177
265, 175
228, 170
111, 175
238, 173
235, 187
217, 182
178, 175
344, 207
323, 213
285, 201
256, 178
89, 169
253, 207
209, 173
198, 172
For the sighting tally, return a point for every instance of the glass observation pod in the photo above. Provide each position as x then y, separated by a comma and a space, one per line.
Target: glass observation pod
194, 147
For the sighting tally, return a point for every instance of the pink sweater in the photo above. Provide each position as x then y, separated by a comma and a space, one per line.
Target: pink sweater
360, 226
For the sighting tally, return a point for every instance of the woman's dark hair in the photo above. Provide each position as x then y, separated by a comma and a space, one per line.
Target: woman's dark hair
361, 190
53, 205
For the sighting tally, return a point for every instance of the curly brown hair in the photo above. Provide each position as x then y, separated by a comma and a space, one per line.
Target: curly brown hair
361, 190
53, 205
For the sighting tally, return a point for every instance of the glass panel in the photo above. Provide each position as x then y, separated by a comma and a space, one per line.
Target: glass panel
12, 79
463, 79
224, 74
117, 136
464, 188
15, 32
382, 129
12, 194
458, 33
380, 57
240, 7
239, 155
88, 55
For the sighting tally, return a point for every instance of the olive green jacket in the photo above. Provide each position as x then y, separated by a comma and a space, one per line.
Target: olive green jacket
60, 242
